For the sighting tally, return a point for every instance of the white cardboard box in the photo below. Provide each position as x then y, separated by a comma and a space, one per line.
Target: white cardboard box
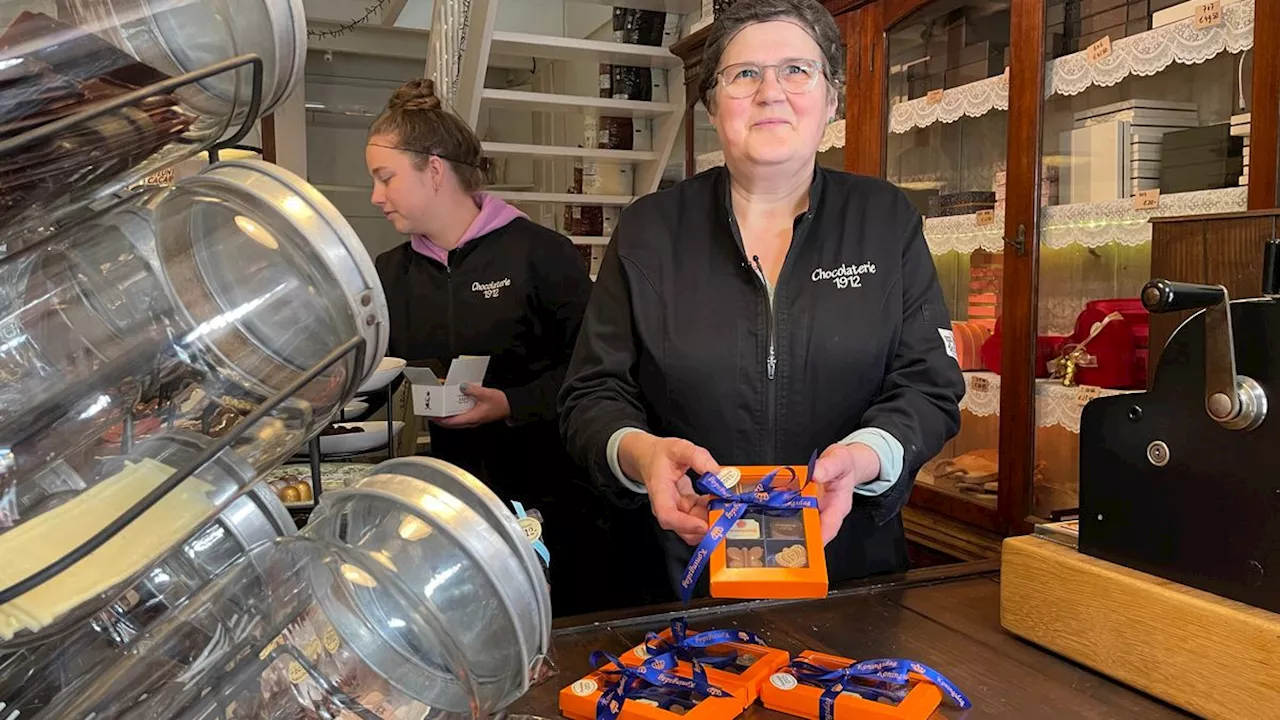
433, 399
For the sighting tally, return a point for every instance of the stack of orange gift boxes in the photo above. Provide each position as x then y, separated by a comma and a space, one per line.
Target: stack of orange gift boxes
765, 542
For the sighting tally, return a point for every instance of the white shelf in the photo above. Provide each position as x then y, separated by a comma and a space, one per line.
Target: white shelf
548, 102
589, 239
552, 47
564, 198
625, 156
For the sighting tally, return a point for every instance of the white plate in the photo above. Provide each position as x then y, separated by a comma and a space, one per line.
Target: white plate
386, 371
374, 436
355, 408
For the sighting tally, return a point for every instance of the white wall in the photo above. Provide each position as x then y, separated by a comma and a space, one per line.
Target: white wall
335, 144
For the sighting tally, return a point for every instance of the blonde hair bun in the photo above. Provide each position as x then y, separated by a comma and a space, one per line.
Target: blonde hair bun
415, 95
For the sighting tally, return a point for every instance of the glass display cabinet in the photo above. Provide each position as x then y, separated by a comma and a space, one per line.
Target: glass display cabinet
1044, 141
945, 148
1146, 114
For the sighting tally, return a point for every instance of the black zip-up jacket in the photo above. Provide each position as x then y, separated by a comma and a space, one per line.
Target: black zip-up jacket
676, 342
516, 294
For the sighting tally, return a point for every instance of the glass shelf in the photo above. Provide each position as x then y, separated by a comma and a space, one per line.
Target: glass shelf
945, 148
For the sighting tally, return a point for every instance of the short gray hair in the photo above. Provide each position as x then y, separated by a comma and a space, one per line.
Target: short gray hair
808, 14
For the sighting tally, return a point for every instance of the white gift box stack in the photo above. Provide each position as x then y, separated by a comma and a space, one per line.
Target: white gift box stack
1240, 128
1113, 151
1048, 186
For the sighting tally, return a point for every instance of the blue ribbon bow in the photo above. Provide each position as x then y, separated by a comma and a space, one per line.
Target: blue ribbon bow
695, 649
649, 681
765, 500
873, 680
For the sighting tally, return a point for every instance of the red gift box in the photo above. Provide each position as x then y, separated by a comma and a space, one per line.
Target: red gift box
1115, 334
1048, 347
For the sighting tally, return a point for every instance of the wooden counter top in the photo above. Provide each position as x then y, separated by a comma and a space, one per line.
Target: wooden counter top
948, 618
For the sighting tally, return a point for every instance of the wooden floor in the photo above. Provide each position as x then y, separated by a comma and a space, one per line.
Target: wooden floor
951, 624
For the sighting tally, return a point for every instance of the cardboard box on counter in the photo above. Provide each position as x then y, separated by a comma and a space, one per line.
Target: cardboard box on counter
779, 557
750, 669
433, 397
578, 701
786, 694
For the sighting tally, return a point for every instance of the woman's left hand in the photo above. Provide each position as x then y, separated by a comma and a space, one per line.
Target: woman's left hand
839, 470
491, 406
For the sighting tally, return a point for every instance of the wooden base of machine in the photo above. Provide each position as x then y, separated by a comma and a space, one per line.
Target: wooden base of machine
1211, 656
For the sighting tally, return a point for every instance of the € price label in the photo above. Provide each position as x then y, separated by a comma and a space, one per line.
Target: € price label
933, 98
986, 217
1099, 51
1208, 14
1147, 200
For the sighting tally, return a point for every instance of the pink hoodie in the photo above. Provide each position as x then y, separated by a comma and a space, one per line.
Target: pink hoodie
494, 213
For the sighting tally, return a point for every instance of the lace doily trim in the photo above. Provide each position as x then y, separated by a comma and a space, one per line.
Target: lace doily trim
1056, 404
1144, 54
1086, 224
1152, 51
974, 99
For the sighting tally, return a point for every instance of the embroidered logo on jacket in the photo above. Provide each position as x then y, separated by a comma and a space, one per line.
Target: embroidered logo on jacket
491, 289
845, 276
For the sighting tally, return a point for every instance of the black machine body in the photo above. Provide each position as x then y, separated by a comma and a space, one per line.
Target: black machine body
1182, 481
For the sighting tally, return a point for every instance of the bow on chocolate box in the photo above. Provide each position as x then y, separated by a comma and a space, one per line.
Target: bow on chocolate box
733, 659
822, 687
764, 542
655, 690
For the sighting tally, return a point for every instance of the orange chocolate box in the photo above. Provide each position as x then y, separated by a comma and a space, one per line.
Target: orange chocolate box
580, 700
787, 694
771, 557
750, 667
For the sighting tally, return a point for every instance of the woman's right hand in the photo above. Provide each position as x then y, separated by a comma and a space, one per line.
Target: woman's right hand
661, 464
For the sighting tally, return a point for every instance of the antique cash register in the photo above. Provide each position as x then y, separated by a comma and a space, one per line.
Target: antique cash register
1173, 584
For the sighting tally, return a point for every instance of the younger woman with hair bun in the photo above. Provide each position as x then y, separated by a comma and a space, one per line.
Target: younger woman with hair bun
477, 277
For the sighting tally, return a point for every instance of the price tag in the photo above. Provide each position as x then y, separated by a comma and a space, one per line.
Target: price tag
1086, 393
934, 97
986, 217
1147, 200
1208, 14
1099, 51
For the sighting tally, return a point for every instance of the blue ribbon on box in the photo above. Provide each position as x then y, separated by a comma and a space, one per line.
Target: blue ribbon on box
888, 678
641, 682
695, 649
764, 499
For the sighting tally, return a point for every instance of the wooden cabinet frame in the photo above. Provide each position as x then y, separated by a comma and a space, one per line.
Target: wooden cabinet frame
864, 25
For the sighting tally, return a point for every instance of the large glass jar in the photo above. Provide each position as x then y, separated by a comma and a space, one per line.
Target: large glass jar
200, 315
58, 63
403, 599
32, 677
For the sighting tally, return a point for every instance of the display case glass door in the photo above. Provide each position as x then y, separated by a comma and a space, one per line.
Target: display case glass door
1146, 115
945, 148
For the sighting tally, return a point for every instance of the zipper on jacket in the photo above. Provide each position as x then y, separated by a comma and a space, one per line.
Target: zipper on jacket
771, 364
448, 290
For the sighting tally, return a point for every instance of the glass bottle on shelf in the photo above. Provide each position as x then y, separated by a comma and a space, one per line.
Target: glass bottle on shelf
1146, 114
946, 145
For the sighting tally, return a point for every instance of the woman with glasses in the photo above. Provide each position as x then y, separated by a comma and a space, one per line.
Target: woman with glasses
767, 309
477, 277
